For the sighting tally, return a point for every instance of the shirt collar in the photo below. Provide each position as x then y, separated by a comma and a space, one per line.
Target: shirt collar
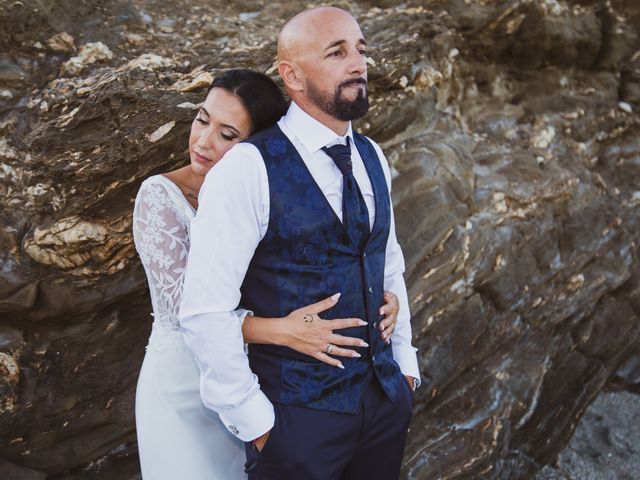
310, 132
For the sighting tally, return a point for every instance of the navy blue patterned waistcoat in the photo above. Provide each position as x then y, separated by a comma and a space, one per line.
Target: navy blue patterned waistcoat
306, 256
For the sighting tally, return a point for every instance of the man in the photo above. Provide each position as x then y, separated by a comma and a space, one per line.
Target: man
294, 214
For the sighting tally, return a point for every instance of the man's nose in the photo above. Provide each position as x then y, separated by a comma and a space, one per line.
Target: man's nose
358, 64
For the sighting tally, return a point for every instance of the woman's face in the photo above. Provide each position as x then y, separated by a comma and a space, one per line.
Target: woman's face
221, 122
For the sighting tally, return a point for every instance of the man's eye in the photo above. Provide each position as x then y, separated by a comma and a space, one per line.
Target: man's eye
201, 121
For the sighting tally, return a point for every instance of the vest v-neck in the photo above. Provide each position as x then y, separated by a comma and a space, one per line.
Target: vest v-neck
314, 183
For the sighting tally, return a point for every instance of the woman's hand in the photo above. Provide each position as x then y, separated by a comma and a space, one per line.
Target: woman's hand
390, 310
307, 333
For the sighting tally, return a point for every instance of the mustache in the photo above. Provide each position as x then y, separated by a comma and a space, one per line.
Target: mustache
353, 81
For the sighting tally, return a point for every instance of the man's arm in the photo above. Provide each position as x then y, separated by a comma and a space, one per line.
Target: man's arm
231, 220
403, 352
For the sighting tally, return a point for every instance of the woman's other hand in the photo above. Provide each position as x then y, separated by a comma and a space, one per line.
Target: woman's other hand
390, 310
307, 333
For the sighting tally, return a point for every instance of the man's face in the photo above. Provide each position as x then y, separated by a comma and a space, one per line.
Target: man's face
335, 69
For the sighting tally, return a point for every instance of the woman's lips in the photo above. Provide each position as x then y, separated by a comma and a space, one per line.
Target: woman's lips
202, 159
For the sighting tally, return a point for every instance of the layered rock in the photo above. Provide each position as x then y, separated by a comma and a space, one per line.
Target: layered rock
512, 131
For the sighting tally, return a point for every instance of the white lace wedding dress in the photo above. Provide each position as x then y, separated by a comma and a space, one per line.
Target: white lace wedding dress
178, 438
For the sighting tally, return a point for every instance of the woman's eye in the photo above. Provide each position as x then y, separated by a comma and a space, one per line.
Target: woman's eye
228, 137
201, 121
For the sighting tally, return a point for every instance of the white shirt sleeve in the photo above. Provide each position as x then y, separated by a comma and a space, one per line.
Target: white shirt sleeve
403, 352
232, 218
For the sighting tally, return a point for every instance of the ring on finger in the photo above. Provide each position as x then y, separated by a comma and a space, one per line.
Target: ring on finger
328, 349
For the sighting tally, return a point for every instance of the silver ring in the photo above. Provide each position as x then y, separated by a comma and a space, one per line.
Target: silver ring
328, 349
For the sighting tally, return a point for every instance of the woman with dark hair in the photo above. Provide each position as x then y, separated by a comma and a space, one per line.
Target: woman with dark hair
177, 436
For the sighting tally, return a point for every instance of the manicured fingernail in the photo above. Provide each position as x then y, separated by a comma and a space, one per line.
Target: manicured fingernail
381, 311
335, 296
364, 344
363, 323
382, 327
355, 354
387, 341
384, 335
341, 366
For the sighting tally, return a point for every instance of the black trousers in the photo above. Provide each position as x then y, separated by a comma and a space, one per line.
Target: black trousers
308, 444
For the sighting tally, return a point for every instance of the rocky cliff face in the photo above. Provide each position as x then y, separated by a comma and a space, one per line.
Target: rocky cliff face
513, 132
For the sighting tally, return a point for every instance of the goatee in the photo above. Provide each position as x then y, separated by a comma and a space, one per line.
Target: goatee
339, 107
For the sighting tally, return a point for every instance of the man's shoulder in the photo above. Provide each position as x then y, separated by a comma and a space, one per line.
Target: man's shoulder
243, 152
272, 143
237, 164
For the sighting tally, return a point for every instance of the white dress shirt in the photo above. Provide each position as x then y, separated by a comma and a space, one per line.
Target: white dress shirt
232, 218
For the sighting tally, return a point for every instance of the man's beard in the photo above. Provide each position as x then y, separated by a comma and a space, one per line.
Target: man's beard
336, 105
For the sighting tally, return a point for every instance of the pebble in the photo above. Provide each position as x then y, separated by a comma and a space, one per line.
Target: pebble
202, 79
89, 53
544, 138
10, 338
9, 72
61, 42
246, 16
149, 62
188, 105
161, 131
134, 39
625, 107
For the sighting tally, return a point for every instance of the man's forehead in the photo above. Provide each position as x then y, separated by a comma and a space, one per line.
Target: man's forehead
320, 27
335, 33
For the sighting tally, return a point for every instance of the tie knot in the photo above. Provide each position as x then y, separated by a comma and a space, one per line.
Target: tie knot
341, 155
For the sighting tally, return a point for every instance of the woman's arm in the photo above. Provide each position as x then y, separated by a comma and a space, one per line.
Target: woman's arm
304, 331
161, 238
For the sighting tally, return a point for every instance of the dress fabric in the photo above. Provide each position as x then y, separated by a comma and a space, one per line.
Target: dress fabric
178, 437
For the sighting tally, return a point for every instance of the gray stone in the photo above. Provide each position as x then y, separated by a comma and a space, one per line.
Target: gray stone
605, 444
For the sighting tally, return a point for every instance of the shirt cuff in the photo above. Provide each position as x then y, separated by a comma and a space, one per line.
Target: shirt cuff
253, 418
241, 313
407, 359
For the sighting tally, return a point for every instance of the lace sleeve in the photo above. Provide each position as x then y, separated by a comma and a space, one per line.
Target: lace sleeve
162, 240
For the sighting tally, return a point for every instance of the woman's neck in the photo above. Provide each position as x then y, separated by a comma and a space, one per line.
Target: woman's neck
188, 182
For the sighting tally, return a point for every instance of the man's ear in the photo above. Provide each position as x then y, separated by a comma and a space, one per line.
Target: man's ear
290, 74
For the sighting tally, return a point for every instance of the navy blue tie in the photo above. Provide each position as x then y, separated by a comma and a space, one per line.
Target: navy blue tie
355, 216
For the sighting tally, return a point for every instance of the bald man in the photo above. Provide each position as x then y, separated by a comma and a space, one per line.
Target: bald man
290, 216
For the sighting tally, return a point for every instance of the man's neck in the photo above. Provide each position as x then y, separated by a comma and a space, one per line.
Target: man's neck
340, 127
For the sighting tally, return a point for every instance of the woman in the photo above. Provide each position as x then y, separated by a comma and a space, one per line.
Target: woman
177, 436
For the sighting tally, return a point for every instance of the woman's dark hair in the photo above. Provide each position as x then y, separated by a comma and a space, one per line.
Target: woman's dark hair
260, 95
